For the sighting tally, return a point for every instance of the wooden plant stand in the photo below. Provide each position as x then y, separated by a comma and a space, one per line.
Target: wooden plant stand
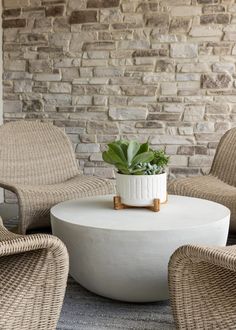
119, 206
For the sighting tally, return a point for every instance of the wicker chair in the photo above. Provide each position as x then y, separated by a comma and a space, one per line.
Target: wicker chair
220, 184
33, 275
202, 283
38, 164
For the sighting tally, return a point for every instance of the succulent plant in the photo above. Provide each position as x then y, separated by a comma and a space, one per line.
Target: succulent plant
134, 158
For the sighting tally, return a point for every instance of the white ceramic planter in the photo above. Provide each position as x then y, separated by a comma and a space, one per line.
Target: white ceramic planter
141, 190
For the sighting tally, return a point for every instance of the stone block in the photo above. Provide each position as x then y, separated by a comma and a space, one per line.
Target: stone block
100, 100
200, 160
162, 50
43, 23
108, 45
60, 87
47, 77
102, 127
158, 20
133, 44
102, 3
223, 67
12, 106
194, 67
15, 3
14, 12
180, 25
69, 74
128, 113
217, 108
59, 39
40, 66
210, 9
178, 160
32, 106
216, 81
207, 1
138, 90
96, 54
171, 139
188, 77
111, 15
88, 147
185, 130
164, 116
61, 24
14, 23
82, 100
230, 36
54, 11
204, 127
108, 72
154, 78
23, 86
184, 50
83, 16
194, 113
168, 88
217, 19
15, 65
174, 108
206, 31
186, 10
33, 38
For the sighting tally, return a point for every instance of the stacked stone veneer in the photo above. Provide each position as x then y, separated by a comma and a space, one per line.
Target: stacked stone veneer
106, 69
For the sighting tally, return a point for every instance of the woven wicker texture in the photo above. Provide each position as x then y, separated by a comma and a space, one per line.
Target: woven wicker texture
37, 163
33, 275
220, 184
202, 285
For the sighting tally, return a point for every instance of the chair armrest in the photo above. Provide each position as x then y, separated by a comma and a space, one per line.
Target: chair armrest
219, 256
11, 243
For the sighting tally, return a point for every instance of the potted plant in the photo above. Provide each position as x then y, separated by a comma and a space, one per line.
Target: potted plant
141, 175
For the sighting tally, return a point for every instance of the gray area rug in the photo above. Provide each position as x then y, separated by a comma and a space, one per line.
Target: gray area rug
83, 310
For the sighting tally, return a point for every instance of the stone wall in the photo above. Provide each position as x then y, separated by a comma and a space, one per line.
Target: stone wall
105, 69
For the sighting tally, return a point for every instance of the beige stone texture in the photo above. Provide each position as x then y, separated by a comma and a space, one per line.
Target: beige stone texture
110, 69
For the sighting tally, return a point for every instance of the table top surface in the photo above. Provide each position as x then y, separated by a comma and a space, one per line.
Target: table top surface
180, 212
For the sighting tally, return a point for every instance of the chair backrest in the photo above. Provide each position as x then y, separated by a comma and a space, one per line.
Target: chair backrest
32, 152
224, 163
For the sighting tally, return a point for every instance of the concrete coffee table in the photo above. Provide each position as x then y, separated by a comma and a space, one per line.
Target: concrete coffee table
124, 254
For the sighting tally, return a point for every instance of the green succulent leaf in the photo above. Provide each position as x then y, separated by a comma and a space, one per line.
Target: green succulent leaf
111, 155
139, 171
108, 158
122, 169
144, 148
132, 150
116, 148
124, 146
145, 157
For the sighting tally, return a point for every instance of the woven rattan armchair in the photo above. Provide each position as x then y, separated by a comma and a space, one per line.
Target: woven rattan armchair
38, 164
33, 275
202, 283
220, 184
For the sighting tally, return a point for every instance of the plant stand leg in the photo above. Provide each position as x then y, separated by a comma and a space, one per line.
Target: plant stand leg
117, 203
156, 205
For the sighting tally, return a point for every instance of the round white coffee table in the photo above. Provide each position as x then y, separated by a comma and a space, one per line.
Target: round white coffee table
124, 254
